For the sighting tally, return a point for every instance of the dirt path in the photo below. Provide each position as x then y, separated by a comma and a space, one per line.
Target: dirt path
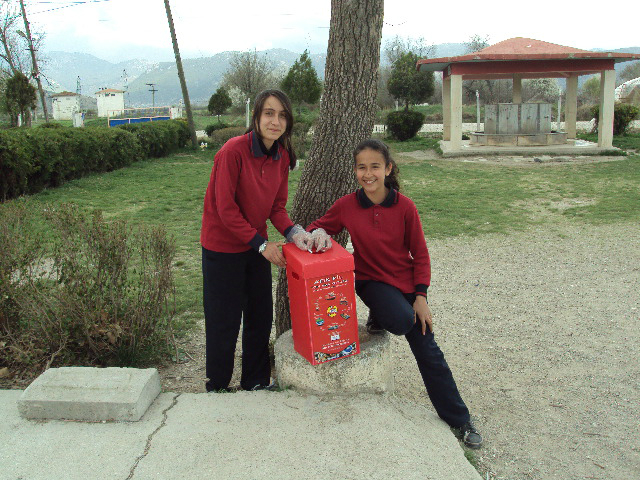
540, 329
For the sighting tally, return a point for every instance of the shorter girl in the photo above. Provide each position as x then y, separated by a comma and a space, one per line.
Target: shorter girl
393, 272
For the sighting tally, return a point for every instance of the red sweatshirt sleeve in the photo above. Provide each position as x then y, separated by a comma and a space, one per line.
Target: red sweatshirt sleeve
331, 221
414, 239
228, 164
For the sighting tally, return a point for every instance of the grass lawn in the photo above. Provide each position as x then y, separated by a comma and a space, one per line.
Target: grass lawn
454, 198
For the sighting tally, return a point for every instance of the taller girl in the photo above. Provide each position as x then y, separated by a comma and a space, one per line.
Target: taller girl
393, 272
248, 185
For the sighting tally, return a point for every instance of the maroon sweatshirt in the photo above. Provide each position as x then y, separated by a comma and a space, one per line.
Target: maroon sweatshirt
388, 240
247, 187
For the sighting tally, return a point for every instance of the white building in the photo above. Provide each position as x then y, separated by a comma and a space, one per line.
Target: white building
64, 105
109, 99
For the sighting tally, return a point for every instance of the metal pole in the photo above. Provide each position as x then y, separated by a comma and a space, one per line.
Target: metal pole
183, 83
477, 111
35, 72
559, 110
247, 111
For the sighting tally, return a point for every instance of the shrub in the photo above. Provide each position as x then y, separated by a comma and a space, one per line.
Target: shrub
93, 293
583, 114
219, 137
160, 138
404, 124
623, 115
209, 129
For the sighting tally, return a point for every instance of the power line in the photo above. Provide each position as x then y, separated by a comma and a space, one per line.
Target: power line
69, 4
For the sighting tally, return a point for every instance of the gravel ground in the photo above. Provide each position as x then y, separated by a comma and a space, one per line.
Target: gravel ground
540, 331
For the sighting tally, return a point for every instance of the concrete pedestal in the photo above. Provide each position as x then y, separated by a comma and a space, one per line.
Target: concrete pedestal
90, 394
367, 372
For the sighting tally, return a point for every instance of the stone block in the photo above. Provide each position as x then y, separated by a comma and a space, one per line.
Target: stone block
90, 394
370, 371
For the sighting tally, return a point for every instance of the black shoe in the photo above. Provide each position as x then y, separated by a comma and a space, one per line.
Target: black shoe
271, 387
469, 435
372, 326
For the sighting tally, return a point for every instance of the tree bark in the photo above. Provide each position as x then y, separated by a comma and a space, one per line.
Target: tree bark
347, 114
35, 73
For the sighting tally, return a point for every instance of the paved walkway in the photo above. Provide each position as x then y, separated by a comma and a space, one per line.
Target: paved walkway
243, 435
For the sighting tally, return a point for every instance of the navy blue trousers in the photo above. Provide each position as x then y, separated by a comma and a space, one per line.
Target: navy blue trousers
237, 289
393, 311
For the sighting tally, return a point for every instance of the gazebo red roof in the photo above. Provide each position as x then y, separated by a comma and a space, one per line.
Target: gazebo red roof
526, 56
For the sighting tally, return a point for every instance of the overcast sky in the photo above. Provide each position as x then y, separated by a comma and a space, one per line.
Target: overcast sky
118, 30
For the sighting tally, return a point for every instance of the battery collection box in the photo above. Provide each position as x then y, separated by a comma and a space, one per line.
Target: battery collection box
322, 303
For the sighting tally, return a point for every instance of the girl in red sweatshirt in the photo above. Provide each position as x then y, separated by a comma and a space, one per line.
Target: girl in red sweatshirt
393, 273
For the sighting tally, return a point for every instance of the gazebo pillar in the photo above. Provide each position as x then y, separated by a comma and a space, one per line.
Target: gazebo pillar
571, 106
446, 108
605, 119
456, 112
517, 88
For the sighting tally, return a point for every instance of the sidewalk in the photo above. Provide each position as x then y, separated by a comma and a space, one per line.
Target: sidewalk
243, 435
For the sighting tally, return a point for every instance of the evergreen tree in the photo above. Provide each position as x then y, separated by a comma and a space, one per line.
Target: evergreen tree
20, 99
407, 84
302, 83
219, 102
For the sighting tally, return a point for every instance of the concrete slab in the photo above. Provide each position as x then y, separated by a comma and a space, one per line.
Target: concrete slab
288, 435
54, 449
572, 147
244, 435
370, 371
90, 394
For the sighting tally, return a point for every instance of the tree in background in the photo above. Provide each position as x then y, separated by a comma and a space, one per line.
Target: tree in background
347, 114
407, 83
249, 73
631, 71
302, 83
393, 49
590, 91
20, 99
540, 90
491, 91
219, 102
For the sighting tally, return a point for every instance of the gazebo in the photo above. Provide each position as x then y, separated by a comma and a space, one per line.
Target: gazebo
520, 58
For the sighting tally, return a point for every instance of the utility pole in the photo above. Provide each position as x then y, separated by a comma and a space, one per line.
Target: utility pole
153, 93
34, 72
183, 83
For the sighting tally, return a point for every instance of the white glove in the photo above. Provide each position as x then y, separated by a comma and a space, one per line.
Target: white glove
300, 237
320, 240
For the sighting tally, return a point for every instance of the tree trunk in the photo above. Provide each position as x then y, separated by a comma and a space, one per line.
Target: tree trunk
347, 115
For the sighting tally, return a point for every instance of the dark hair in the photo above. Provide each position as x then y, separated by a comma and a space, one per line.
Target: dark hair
391, 180
285, 139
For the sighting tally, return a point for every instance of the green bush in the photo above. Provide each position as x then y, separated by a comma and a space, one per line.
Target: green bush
38, 158
623, 115
220, 137
160, 138
209, 129
583, 114
91, 293
404, 124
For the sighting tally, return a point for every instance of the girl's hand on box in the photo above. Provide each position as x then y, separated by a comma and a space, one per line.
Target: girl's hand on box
321, 240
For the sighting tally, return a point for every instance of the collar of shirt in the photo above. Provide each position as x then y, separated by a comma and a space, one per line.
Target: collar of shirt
259, 150
364, 201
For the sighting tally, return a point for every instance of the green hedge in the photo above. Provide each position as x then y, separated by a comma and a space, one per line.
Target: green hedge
38, 158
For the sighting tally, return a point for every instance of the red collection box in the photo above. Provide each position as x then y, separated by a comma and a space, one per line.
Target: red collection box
322, 302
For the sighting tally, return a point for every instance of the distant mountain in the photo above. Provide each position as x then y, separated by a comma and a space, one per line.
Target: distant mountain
203, 75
